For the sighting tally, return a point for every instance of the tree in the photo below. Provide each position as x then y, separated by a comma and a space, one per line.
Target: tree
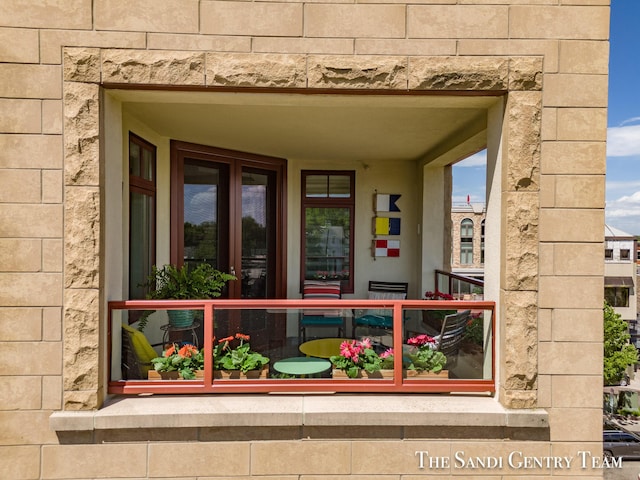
618, 352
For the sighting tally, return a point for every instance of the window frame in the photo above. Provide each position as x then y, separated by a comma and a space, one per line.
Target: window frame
612, 293
466, 241
328, 202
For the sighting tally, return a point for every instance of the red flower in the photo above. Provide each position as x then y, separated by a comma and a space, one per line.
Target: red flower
242, 336
170, 351
188, 351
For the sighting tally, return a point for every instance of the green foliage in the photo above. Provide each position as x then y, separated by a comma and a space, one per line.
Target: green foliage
424, 359
475, 330
242, 358
355, 356
172, 283
185, 360
618, 352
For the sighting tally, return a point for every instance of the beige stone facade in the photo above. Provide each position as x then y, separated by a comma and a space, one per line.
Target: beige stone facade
61, 63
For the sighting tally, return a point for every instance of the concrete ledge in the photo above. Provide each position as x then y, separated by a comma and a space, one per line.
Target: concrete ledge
297, 410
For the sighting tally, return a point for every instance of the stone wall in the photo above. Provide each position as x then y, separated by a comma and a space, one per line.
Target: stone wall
555, 70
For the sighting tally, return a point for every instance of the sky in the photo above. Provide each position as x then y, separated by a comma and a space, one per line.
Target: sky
622, 209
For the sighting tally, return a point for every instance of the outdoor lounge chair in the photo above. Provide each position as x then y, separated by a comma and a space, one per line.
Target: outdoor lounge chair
380, 318
137, 354
333, 318
452, 333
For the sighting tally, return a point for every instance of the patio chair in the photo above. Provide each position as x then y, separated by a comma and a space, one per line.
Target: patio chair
137, 354
333, 318
380, 318
452, 333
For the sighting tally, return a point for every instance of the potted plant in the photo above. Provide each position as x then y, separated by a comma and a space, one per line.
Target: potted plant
231, 361
423, 356
355, 358
184, 283
178, 362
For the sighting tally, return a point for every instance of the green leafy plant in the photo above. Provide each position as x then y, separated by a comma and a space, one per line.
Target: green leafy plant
172, 283
355, 356
185, 360
475, 330
422, 355
240, 357
618, 352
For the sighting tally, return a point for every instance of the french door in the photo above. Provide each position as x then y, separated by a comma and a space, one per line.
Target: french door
228, 210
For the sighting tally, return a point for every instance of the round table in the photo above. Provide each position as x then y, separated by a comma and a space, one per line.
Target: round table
302, 366
323, 347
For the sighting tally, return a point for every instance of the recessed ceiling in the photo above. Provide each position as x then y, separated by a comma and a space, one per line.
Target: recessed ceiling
315, 127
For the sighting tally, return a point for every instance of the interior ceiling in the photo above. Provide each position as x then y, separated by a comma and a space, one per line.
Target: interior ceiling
320, 126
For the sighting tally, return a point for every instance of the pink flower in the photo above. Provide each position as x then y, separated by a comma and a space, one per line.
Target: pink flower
387, 353
420, 340
365, 343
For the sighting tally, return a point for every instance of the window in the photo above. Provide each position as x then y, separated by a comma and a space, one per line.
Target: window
482, 243
625, 254
466, 242
608, 253
142, 212
328, 202
617, 296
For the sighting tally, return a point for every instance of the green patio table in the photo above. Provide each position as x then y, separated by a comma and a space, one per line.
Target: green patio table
302, 366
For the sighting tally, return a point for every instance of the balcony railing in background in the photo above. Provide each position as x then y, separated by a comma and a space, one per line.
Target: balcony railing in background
459, 286
273, 328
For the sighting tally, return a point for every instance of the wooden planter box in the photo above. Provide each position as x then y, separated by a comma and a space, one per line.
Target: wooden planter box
153, 375
237, 374
388, 374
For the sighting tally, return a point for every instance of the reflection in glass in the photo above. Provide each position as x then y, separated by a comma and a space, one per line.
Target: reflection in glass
327, 243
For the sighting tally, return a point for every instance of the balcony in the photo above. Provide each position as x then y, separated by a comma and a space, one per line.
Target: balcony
272, 326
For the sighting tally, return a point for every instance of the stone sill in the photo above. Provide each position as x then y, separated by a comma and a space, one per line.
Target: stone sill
159, 411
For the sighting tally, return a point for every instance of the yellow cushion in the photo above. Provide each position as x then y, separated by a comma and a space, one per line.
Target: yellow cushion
144, 350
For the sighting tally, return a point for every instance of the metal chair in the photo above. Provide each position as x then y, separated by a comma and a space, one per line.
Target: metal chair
380, 318
452, 334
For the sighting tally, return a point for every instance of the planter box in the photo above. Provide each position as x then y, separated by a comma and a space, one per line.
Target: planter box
388, 374
153, 375
237, 374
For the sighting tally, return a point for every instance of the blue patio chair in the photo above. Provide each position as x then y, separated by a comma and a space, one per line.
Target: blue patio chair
333, 318
380, 318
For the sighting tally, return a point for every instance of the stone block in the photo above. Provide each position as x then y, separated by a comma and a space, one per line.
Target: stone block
52, 392
31, 151
15, 220
458, 73
44, 81
520, 269
71, 14
53, 41
547, 191
256, 70
26, 427
579, 468
52, 255
212, 43
82, 234
571, 292
457, 21
587, 124
44, 358
52, 186
179, 16
153, 67
573, 158
399, 457
522, 164
20, 393
576, 425
413, 47
354, 20
252, 19
544, 391
236, 454
265, 459
576, 391
20, 324
574, 90
20, 116
519, 334
544, 325
81, 400
81, 339
564, 321
570, 358
20, 254
559, 22
549, 124
19, 45
584, 57
20, 186
548, 49
52, 324
52, 116
20, 462
326, 46
371, 72
19, 289
124, 460
571, 225
574, 259
525, 73
81, 65
82, 133
579, 191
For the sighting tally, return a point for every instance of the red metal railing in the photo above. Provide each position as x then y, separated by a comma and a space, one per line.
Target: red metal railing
396, 385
